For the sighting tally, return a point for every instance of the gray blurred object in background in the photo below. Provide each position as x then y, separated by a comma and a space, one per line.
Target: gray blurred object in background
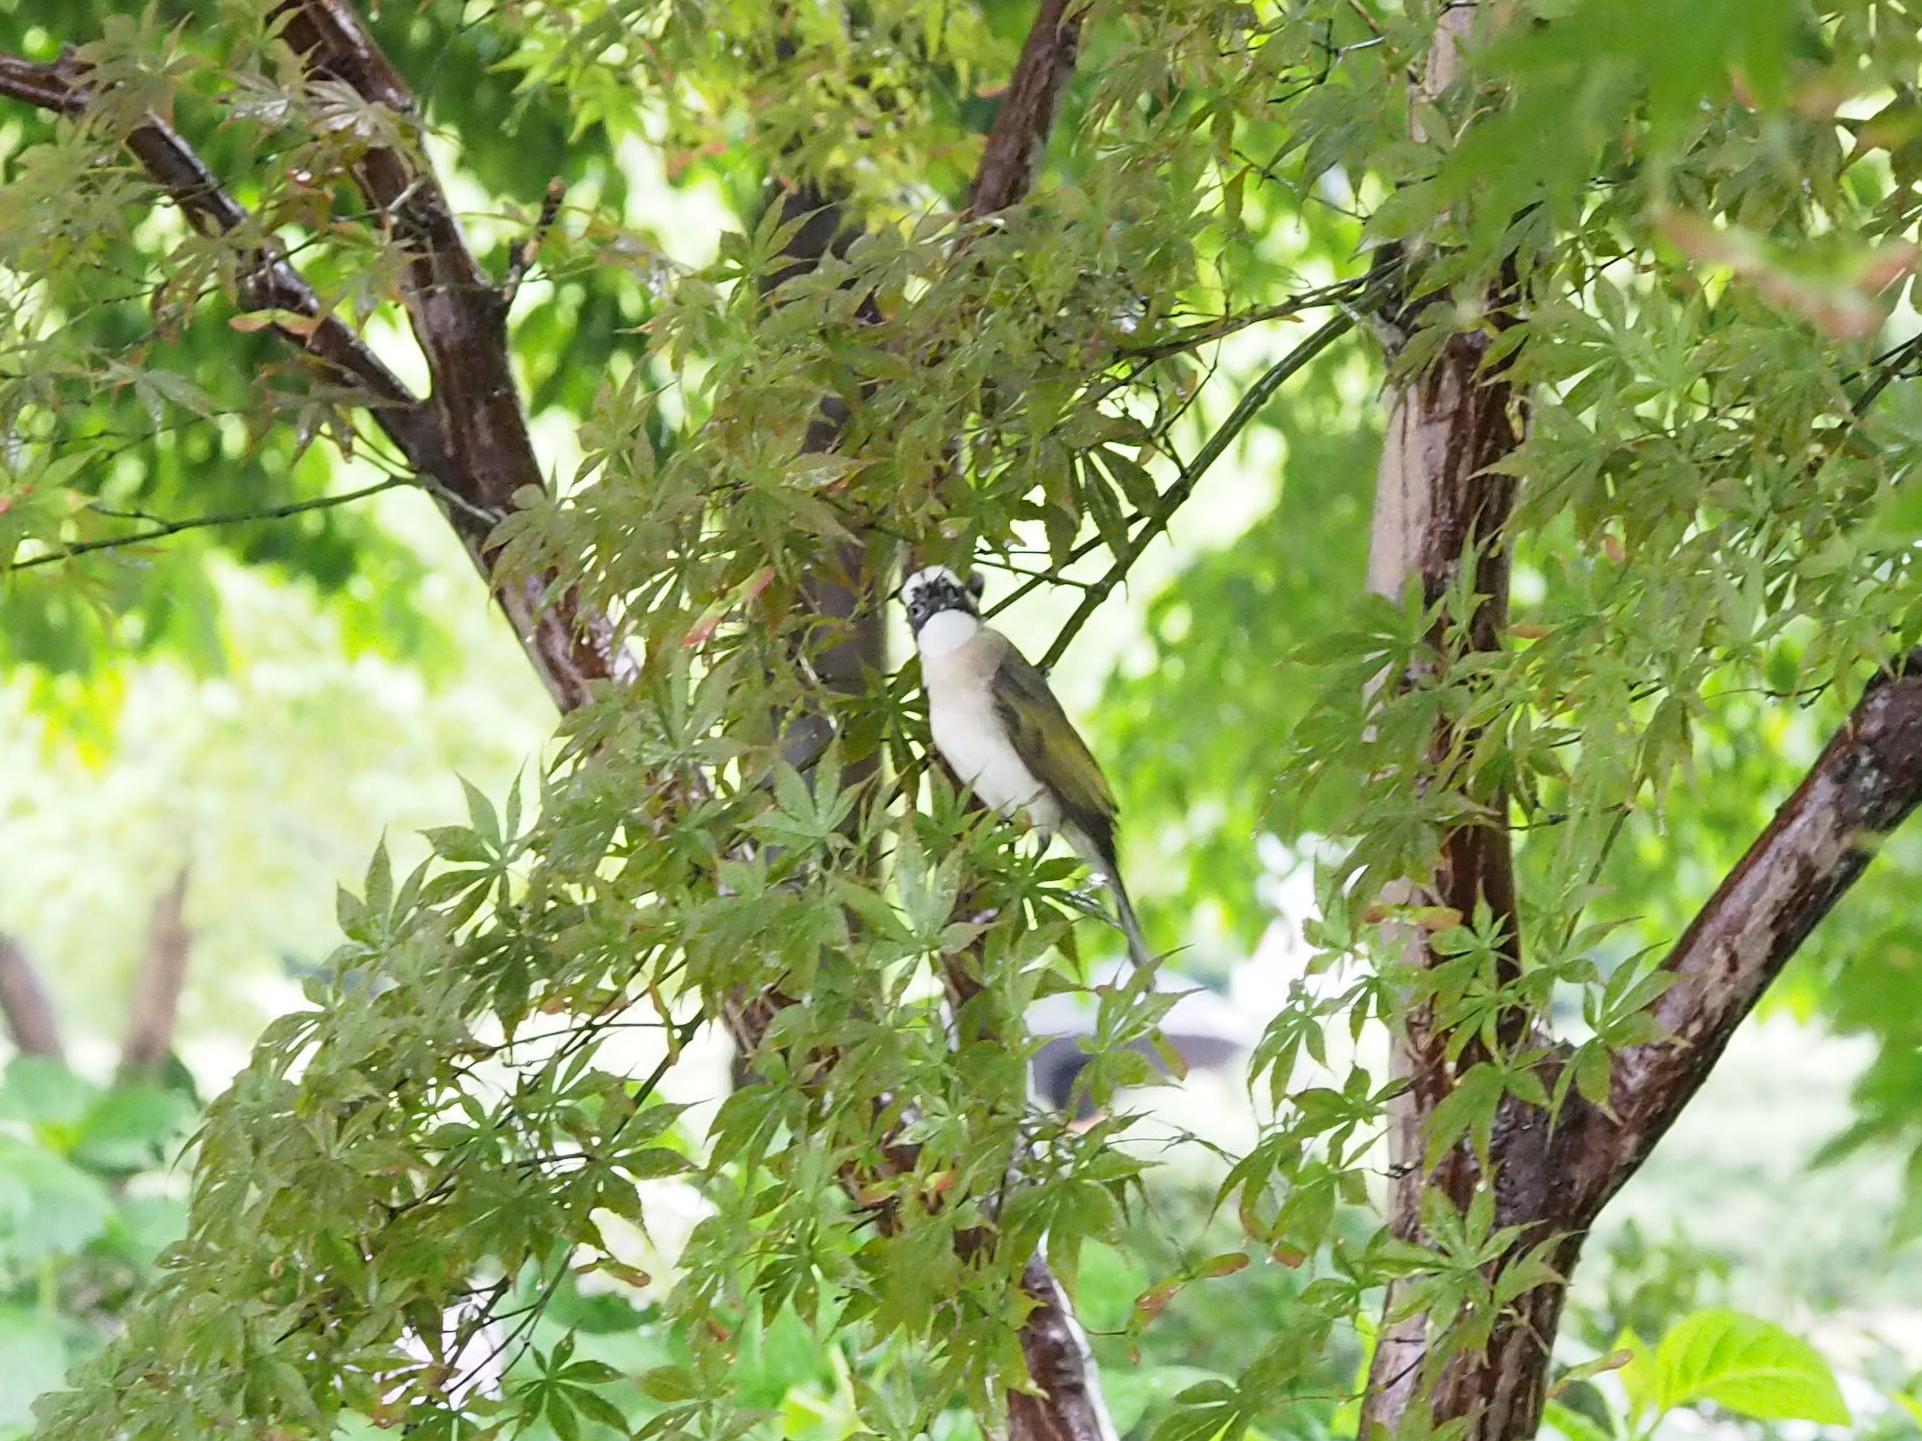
1203, 1026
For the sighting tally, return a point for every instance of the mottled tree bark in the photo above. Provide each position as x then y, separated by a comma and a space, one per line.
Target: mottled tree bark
1439, 509
1439, 518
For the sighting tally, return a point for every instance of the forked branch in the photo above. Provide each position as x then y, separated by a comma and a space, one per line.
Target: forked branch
467, 440
269, 283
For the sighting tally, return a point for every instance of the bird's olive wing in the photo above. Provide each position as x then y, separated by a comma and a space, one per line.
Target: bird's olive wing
1049, 745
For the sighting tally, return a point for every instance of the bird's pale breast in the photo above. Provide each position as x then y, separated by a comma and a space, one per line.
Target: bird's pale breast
969, 734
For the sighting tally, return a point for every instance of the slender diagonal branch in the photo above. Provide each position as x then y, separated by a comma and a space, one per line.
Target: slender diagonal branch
1353, 290
166, 528
1251, 404
1359, 297
1866, 781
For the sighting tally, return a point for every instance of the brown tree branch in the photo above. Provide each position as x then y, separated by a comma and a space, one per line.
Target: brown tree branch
1068, 1405
846, 647
1555, 1174
1437, 507
1019, 136
42, 84
157, 985
459, 319
1866, 781
458, 315
32, 1023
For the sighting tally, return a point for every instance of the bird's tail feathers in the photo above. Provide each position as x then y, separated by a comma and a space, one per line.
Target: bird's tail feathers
1102, 860
1138, 951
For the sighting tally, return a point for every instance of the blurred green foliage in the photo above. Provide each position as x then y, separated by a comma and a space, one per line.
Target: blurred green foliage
88, 1199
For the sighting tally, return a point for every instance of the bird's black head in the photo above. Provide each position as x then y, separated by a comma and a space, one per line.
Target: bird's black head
929, 592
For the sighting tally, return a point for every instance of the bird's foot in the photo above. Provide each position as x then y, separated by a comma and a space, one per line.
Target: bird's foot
1091, 901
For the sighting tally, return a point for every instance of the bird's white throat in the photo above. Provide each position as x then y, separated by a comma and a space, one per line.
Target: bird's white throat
944, 632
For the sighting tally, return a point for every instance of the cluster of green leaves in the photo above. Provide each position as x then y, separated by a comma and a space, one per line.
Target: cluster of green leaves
127, 400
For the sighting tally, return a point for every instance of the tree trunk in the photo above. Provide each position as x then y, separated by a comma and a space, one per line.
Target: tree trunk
32, 1024
157, 985
1439, 509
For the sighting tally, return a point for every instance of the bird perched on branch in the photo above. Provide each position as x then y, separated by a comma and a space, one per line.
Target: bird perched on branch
1002, 732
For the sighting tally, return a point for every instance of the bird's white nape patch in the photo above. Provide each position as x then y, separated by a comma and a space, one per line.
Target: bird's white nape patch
925, 577
945, 631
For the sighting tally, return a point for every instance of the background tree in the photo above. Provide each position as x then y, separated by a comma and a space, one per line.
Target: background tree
1633, 296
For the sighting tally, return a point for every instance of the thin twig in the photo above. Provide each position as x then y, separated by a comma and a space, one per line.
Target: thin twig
1368, 294
1177, 493
1889, 367
202, 522
1354, 288
525, 252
